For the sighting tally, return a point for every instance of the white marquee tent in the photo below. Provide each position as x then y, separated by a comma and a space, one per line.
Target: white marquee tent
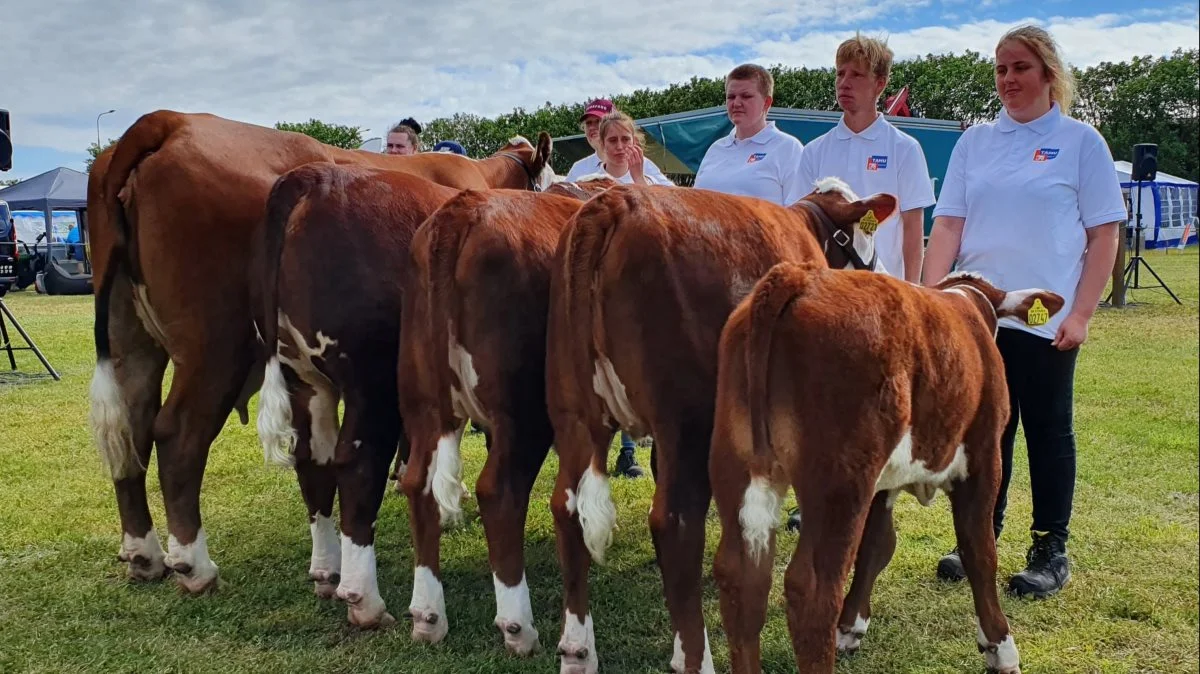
1169, 205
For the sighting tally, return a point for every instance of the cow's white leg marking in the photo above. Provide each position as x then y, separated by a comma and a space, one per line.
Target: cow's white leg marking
144, 555
758, 516
428, 607
848, 641
359, 587
597, 513
577, 648
194, 569
326, 565
678, 664
514, 616
1001, 657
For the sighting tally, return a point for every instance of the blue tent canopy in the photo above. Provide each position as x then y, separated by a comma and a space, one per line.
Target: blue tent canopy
57, 189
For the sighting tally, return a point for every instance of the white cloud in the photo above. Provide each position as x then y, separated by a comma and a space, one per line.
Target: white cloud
369, 63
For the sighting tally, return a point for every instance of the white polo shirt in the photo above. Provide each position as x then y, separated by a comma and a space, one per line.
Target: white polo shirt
764, 165
881, 158
1028, 193
591, 164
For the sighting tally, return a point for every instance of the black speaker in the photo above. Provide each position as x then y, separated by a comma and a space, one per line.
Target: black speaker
1145, 162
6, 147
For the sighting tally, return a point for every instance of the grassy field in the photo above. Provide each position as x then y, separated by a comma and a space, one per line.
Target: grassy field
66, 607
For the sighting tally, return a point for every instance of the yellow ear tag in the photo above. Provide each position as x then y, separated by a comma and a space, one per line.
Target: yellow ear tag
1038, 315
868, 223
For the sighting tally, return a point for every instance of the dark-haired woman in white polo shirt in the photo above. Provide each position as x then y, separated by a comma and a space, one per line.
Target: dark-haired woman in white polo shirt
1032, 200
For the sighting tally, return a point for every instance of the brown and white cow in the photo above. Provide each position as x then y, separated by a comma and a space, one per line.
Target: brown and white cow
175, 210
333, 274
644, 279
854, 387
473, 348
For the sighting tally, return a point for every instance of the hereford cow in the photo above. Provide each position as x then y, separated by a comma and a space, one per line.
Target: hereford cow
175, 209
473, 348
644, 279
852, 388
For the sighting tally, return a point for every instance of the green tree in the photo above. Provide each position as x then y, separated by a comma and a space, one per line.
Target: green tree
94, 151
1147, 100
349, 137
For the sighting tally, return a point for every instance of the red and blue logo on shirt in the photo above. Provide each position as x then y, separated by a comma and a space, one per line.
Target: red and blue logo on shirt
876, 162
757, 156
1045, 153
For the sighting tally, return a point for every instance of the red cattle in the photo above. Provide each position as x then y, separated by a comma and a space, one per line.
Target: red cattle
643, 281
175, 210
852, 388
473, 348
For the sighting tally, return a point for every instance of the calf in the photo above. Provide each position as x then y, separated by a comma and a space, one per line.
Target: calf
644, 279
853, 387
336, 250
473, 347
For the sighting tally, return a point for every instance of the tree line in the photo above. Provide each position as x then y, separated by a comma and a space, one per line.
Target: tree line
1143, 100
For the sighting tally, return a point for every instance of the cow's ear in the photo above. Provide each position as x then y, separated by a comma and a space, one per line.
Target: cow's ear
1033, 306
873, 210
545, 146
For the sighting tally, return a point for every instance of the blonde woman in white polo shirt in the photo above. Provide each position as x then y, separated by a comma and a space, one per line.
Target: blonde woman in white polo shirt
1032, 200
755, 159
623, 147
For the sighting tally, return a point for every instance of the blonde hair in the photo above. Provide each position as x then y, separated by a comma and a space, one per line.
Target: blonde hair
408, 131
754, 73
875, 53
1038, 41
618, 118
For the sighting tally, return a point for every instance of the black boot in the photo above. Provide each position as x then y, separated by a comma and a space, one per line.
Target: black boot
1047, 569
793, 523
950, 567
627, 465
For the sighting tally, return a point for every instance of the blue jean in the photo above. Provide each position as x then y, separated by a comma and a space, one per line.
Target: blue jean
626, 441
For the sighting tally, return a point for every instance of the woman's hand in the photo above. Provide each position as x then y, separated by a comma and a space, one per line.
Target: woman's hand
633, 155
1072, 332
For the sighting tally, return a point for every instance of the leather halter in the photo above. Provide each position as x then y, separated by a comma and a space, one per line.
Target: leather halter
533, 185
843, 241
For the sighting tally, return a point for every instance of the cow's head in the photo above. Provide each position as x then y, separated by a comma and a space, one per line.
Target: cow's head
535, 160
1032, 306
846, 225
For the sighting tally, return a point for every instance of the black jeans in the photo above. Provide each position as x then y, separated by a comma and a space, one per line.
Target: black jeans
1041, 382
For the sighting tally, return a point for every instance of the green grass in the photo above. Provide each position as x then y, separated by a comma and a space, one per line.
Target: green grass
66, 607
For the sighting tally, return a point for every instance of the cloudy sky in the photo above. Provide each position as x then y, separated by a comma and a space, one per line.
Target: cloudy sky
369, 62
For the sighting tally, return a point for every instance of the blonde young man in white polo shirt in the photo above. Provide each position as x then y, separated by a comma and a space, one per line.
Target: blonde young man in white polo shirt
871, 155
755, 159
1032, 201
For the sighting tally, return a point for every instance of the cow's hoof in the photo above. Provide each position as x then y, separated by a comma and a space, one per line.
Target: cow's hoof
195, 580
518, 639
428, 626
577, 659
325, 583
848, 642
144, 569
366, 612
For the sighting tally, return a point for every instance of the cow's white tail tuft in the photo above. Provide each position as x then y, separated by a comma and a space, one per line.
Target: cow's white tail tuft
759, 516
448, 488
275, 429
110, 424
597, 513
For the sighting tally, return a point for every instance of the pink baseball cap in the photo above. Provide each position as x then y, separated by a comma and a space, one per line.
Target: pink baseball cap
597, 108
